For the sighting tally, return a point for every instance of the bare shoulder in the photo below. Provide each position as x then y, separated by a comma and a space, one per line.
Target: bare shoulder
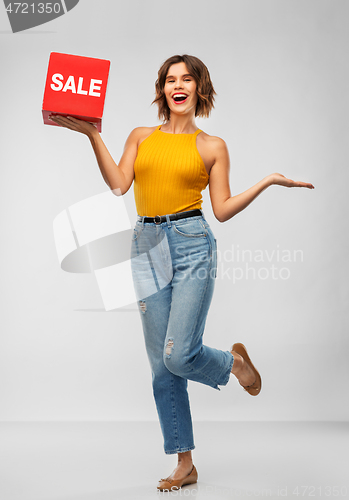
211, 142
144, 130
139, 134
212, 149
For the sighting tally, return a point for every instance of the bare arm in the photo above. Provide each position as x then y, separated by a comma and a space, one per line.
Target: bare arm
226, 206
116, 176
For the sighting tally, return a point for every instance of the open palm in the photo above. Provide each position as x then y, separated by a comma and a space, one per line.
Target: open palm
281, 180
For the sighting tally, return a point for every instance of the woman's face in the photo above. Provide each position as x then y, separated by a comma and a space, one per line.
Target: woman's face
180, 89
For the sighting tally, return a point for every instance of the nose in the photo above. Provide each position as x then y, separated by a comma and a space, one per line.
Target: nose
178, 84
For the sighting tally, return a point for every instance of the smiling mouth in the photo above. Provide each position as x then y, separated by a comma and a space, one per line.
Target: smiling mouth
179, 98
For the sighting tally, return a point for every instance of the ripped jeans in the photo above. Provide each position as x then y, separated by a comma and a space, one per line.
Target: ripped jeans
174, 267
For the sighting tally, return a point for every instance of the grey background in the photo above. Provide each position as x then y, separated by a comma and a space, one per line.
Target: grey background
280, 69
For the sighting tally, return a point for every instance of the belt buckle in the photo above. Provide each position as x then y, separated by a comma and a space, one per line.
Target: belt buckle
155, 221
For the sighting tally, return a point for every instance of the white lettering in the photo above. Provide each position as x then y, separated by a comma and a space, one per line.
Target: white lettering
270, 257
235, 276
56, 80
288, 273
286, 257
95, 85
70, 85
295, 253
80, 91
260, 274
94, 89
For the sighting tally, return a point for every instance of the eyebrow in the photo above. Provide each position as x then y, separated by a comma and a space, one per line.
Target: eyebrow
170, 76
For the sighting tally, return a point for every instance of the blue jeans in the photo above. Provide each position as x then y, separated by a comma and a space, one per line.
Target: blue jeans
174, 267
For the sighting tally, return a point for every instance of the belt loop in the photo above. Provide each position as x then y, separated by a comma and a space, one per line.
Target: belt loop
202, 212
168, 221
142, 219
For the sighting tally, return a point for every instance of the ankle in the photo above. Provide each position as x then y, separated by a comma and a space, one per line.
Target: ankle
185, 458
238, 364
185, 462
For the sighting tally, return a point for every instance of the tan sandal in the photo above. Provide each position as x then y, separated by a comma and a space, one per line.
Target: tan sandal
174, 484
256, 387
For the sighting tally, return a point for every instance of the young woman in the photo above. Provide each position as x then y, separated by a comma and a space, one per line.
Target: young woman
173, 247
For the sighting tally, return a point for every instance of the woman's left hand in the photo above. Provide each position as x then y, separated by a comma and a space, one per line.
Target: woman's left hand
281, 180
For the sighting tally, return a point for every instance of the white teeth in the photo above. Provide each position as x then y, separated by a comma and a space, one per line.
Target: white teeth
180, 95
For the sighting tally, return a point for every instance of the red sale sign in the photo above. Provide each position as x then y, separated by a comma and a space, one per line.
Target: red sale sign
75, 86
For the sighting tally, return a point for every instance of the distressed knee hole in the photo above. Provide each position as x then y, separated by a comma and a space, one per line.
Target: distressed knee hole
142, 306
169, 347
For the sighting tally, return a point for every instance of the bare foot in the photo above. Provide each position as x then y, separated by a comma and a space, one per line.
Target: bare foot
181, 471
242, 370
184, 467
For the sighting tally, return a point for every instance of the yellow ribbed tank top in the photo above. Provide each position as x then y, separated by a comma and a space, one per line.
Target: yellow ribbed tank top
169, 174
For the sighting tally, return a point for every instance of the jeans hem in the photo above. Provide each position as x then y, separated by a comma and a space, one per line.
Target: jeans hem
226, 380
180, 450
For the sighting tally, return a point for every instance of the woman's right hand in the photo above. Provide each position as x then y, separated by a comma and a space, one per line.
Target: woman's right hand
81, 126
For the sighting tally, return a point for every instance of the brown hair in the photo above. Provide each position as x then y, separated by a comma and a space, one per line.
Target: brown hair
204, 87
